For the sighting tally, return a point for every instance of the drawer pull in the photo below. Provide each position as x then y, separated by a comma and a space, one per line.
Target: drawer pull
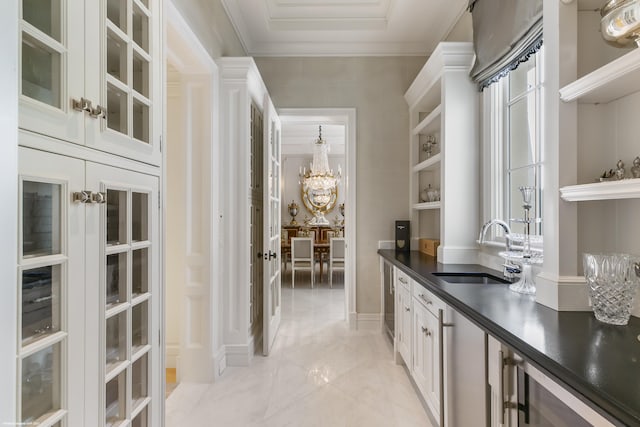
402, 280
428, 302
426, 331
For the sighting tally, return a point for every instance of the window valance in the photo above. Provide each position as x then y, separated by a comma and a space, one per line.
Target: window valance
505, 33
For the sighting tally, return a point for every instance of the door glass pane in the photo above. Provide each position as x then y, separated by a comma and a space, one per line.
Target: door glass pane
41, 383
140, 75
140, 326
41, 72
140, 23
140, 121
116, 217
140, 261
44, 15
116, 340
116, 57
117, 13
115, 402
139, 380
141, 420
140, 217
116, 109
116, 279
41, 218
40, 303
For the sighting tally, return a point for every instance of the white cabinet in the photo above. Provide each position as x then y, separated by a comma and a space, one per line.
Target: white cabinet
89, 317
426, 356
91, 74
403, 316
443, 107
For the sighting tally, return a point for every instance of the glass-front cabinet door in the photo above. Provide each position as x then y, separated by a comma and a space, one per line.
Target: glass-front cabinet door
123, 76
126, 296
50, 290
52, 67
91, 74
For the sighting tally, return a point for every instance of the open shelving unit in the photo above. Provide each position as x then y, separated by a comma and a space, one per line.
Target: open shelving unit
441, 99
613, 190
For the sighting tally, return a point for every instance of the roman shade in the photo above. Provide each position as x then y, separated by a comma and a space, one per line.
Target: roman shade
505, 33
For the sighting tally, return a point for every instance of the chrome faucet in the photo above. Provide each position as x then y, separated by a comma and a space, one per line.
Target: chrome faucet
509, 268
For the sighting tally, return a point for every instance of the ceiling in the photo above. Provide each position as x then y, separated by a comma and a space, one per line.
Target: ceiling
298, 138
342, 27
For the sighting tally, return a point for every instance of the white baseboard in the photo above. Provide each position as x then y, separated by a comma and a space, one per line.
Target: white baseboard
172, 351
353, 320
369, 322
239, 354
457, 255
386, 244
219, 361
564, 293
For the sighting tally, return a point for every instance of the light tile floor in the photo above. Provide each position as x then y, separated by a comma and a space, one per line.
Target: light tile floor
320, 373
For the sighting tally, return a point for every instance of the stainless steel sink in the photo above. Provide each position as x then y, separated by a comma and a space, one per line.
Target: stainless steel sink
473, 278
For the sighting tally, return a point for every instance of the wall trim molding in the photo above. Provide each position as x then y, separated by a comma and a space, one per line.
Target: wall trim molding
562, 293
238, 354
369, 321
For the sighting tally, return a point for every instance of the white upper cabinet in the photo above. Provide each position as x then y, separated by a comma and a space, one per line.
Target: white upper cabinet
91, 74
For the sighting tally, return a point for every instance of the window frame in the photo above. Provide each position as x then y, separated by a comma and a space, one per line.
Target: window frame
496, 134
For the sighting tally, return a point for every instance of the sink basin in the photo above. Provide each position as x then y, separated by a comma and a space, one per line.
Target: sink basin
474, 278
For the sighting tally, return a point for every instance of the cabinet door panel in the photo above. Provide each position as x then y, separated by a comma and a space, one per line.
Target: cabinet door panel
123, 264
52, 67
123, 76
426, 363
51, 305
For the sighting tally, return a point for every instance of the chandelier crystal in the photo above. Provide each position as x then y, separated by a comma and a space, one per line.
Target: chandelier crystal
320, 182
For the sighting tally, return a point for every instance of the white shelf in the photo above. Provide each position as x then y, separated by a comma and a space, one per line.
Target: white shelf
431, 163
614, 80
426, 205
430, 123
625, 189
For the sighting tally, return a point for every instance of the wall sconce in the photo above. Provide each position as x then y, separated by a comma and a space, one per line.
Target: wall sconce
428, 145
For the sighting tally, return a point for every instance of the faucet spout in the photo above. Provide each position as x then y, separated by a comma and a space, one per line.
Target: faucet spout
501, 223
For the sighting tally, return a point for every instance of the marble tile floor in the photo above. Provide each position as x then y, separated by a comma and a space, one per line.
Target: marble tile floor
320, 373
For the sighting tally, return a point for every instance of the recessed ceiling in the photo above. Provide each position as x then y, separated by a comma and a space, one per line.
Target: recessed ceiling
342, 27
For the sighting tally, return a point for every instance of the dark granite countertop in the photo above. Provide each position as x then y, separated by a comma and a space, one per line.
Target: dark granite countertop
598, 363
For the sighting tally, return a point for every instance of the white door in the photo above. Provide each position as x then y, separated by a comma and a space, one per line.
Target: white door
123, 368
271, 226
52, 68
50, 290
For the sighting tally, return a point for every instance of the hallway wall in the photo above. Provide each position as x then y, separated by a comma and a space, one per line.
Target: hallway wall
375, 86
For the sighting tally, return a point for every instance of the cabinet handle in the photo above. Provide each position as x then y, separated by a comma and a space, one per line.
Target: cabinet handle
441, 325
99, 197
98, 112
407, 308
426, 331
83, 196
428, 302
81, 105
503, 405
402, 280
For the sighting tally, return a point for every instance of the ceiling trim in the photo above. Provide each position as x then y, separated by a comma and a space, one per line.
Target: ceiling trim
306, 49
232, 10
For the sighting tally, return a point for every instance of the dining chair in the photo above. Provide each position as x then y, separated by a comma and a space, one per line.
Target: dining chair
336, 257
301, 257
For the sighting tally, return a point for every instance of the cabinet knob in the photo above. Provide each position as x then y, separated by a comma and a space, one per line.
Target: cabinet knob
426, 331
407, 308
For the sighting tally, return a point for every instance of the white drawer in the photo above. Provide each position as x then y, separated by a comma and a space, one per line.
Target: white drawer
426, 298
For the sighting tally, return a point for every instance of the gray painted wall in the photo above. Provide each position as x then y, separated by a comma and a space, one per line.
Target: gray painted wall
375, 86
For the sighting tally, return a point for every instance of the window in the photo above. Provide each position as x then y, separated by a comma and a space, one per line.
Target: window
515, 124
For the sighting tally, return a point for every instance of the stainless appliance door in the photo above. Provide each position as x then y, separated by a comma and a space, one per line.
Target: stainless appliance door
538, 407
389, 298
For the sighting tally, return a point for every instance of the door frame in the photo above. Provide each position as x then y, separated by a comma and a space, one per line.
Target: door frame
346, 117
186, 53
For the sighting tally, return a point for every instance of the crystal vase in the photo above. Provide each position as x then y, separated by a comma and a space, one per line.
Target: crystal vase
612, 281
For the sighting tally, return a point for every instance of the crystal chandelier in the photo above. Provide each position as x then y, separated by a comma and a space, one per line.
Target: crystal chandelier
320, 176
319, 183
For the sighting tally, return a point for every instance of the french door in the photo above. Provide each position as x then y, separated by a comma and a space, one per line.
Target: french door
89, 351
272, 222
